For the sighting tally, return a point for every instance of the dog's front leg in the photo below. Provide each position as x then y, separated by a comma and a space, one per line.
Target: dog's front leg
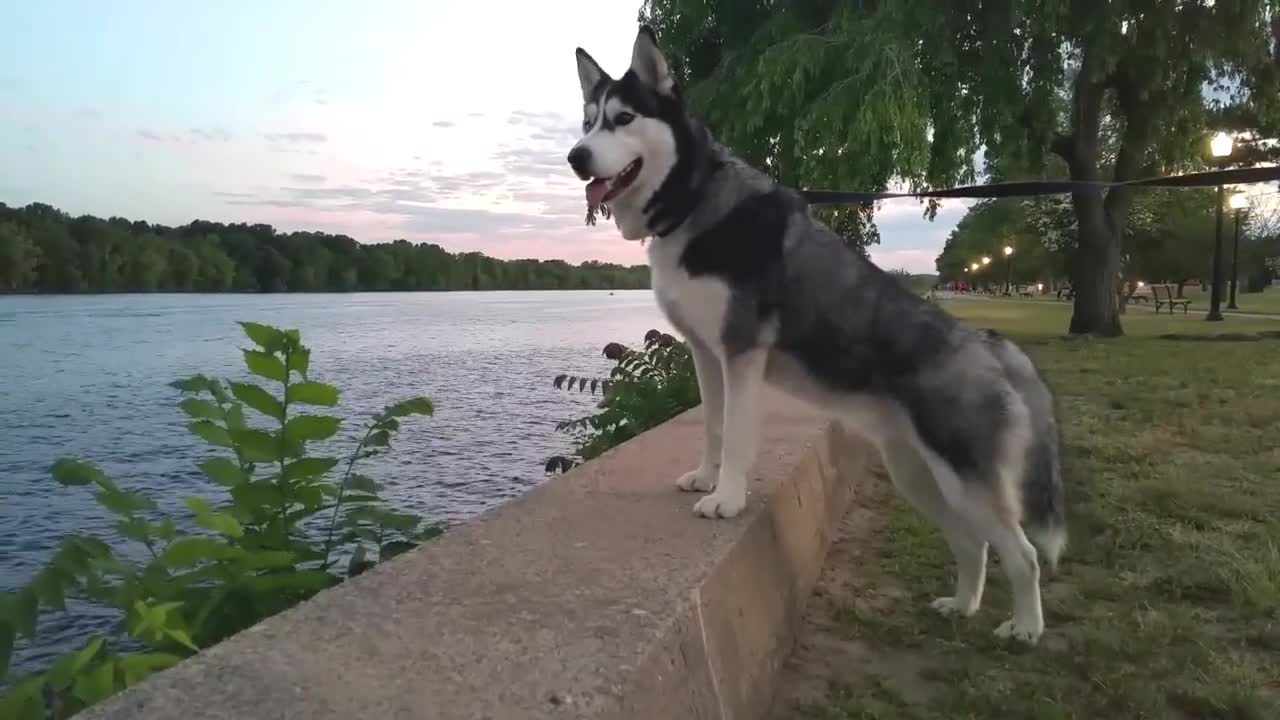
743, 387
711, 389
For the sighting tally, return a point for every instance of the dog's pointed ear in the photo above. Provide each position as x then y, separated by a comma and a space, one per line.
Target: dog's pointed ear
648, 63
589, 74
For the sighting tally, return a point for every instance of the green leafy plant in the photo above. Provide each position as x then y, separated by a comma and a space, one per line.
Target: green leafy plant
644, 389
181, 584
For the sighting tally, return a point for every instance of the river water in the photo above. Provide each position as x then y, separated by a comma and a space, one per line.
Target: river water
87, 376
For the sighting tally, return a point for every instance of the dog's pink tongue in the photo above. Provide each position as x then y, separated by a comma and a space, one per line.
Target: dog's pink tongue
596, 190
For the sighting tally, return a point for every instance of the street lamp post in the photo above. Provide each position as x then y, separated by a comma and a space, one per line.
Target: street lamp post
1008, 269
1238, 203
985, 262
1220, 146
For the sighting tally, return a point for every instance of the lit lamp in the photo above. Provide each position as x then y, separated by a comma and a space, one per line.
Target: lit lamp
1220, 146
986, 260
1008, 269
974, 267
1238, 203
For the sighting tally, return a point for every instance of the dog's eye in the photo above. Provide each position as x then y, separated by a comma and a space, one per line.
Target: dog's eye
623, 118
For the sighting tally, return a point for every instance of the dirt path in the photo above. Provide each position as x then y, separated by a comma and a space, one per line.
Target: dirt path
827, 656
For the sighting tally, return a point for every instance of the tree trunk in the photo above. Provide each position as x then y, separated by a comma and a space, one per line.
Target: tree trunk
1181, 283
1096, 309
1096, 263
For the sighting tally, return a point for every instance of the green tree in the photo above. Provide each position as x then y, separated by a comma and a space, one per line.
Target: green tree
215, 271
95, 255
146, 263
19, 257
183, 268
858, 94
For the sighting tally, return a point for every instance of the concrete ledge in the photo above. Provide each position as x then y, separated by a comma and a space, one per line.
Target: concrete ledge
596, 595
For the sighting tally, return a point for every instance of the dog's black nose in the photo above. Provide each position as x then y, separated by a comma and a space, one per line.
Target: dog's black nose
579, 159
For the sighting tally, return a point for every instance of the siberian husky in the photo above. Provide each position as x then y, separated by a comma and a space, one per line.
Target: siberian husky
763, 292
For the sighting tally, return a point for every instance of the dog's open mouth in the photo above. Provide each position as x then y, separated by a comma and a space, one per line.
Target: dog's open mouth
602, 190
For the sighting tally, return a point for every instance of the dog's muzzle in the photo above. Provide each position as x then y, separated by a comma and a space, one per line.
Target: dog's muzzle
580, 160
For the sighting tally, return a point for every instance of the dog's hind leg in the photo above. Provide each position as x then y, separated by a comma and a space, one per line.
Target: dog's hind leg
914, 479
987, 516
743, 387
711, 387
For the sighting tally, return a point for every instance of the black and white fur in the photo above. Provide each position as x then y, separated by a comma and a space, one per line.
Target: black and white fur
764, 292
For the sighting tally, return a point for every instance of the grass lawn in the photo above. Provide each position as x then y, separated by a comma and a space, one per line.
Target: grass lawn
1167, 603
1266, 302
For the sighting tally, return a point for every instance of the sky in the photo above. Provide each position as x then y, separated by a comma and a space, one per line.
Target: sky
436, 121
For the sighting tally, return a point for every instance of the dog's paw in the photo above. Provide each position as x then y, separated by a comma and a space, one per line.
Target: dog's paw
701, 480
720, 505
1024, 632
951, 606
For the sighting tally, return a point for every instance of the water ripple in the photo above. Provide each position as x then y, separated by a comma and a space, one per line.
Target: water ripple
87, 376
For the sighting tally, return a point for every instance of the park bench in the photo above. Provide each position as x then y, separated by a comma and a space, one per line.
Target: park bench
1026, 291
1157, 291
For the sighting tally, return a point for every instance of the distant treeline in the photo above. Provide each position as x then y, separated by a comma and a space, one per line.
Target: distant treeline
43, 249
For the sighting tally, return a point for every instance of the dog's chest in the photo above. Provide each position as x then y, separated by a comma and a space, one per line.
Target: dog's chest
695, 305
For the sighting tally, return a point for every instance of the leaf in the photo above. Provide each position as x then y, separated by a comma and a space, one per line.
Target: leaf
264, 365
196, 504
357, 564
70, 471
8, 633
67, 667
257, 445
258, 559
137, 667
24, 701
363, 483
210, 432
223, 471
381, 438
96, 685
165, 529
412, 406
394, 548
258, 399
195, 383
219, 522
235, 417
360, 498
254, 496
311, 497
264, 336
26, 613
49, 587
135, 529
183, 638
310, 467
123, 502
303, 580
404, 522
200, 408
311, 392
192, 550
300, 361
222, 523
311, 427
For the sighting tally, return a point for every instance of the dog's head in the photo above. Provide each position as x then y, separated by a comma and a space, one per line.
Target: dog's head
629, 133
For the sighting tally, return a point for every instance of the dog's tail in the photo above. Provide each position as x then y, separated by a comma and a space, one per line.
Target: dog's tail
1044, 502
